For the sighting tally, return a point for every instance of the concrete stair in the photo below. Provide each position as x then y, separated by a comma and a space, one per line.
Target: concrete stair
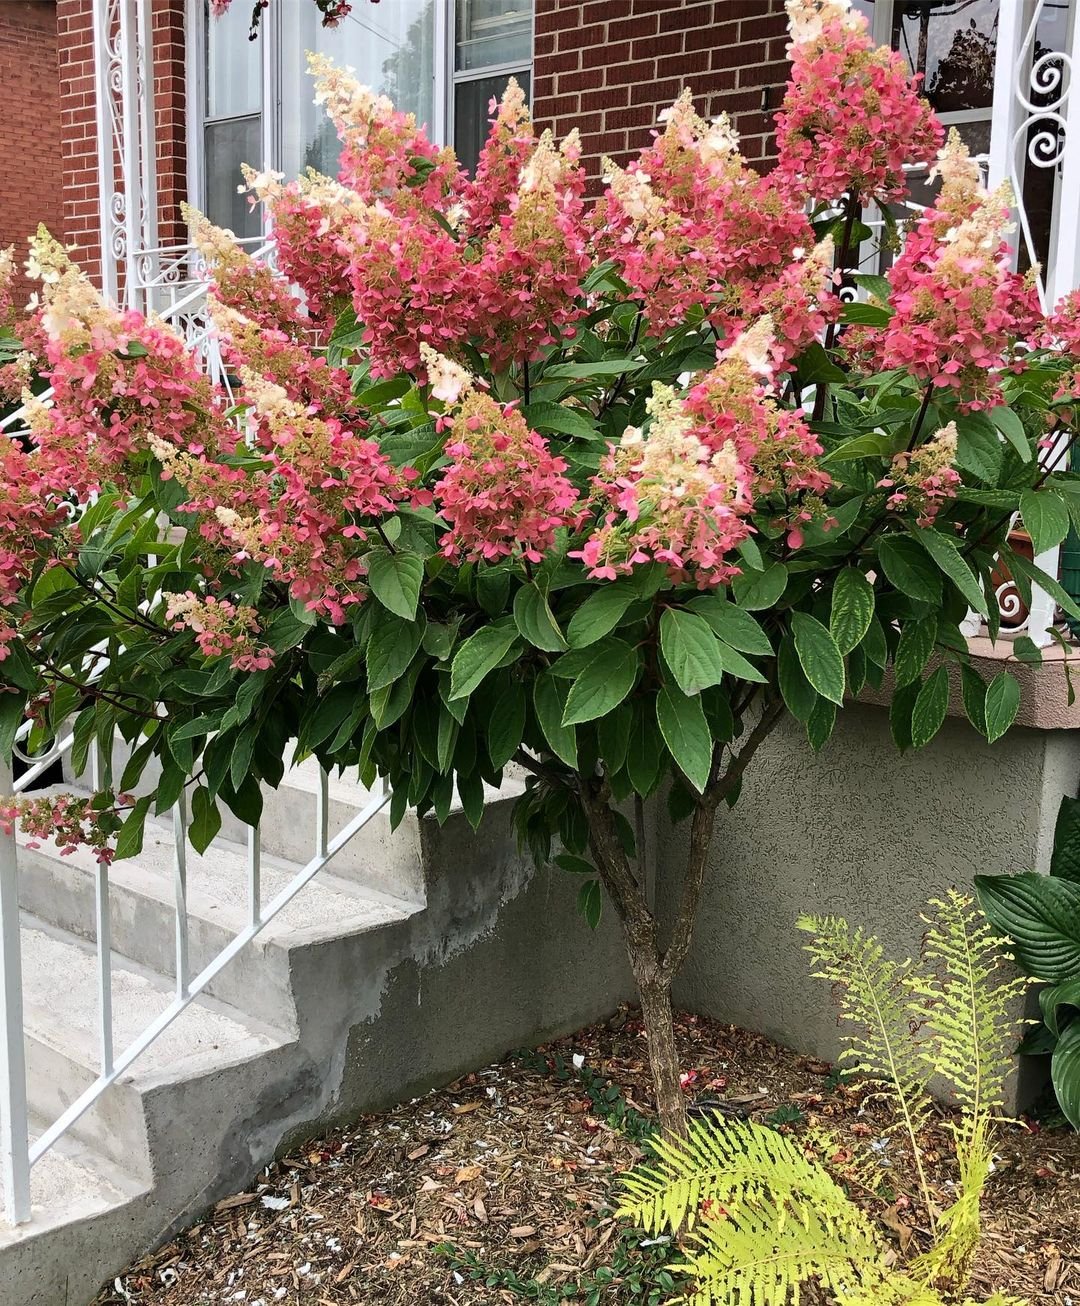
405, 962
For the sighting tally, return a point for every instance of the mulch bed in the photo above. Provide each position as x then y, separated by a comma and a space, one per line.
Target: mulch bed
515, 1168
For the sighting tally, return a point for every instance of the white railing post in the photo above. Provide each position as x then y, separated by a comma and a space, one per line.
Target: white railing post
14, 1126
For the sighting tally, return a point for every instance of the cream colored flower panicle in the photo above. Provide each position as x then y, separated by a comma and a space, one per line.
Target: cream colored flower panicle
546, 168
754, 347
7, 267
985, 228
720, 141
270, 401
670, 457
71, 302
348, 102
807, 19
955, 166
636, 196
448, 381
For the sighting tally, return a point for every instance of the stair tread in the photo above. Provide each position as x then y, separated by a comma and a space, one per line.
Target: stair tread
71, 1183
60, 999
217, 888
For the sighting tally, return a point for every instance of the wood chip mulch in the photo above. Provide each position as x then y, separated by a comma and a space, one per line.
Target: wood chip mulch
516, 1168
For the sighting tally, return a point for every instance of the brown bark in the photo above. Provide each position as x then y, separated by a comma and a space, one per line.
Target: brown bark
654, 968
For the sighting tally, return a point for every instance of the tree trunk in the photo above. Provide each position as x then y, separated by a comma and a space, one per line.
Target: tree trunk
663, 1059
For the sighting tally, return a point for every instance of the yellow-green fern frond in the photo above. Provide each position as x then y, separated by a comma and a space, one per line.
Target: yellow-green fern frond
872, 992
897, 1289
971, 998
999, 1299
947, 1265
763, 1253
767, 1216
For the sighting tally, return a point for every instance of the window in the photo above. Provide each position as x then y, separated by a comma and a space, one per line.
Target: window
492, 43
232, 119
443, 60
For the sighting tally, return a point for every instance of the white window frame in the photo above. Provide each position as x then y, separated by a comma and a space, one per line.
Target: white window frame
446, 79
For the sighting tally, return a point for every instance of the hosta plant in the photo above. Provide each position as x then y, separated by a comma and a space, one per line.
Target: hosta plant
1040, 915
763, 1217
500, 474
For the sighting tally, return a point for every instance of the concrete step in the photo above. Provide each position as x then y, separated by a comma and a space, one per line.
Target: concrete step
63, 1049
61, 891
72, 1183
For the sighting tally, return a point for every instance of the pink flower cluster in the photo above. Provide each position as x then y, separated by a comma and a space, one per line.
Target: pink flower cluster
221, 629
926, 479
504, 494
852, 116
691, 226
70, 822
30, 513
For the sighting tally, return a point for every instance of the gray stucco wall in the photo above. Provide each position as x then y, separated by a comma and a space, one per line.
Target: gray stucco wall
863, 832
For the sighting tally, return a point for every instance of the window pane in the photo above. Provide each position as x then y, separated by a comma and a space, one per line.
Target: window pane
472, 112
233, 65
490, 32
390, 47
228, 144
953, 42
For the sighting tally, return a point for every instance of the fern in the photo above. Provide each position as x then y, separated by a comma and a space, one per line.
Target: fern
971, 1000
873, 994
947, 1264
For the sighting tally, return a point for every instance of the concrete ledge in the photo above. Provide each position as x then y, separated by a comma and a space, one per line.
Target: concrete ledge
1044, 687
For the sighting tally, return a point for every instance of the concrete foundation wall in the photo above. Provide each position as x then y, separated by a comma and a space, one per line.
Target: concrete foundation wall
858, 831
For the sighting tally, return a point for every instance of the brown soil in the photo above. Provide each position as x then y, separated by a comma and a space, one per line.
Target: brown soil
518, 1168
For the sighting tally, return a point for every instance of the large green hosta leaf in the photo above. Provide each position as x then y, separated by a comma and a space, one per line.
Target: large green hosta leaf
1065, 1072
1042, 917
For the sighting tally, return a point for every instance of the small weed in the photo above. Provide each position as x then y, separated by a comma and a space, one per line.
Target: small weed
606, 1097
788, 1114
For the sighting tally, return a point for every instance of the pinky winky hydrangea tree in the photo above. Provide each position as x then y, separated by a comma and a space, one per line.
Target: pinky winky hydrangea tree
601, 489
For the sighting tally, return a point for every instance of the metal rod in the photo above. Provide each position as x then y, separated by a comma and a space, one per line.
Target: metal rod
104, 951
322, 813
14, 1126
180, 884
87, 1099
254, 874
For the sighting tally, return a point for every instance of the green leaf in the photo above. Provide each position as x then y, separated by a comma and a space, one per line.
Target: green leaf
478, 655
129, 841
535, 621
755, 590
1052, 1000
549, 702
1041, 915
798, 693
613, 737
814, 364
818, 655
1018, 564
852, 609
575, 865
600, 613
690, 650
732, 624
900, 713
908, 568
205, 820
604, 683
645, 756
390, 649
944, 551
1065, 859
590, 902
875, 444
978, 448
1012, 428
1065, 1073
973, 688
1002, 705
928, 715
395, 580
821, 723
506, 725
686, 733
602, 368
1046, 518
914, 649
736, 665
560, 417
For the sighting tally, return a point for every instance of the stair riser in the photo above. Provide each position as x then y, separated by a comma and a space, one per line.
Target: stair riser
114, 1125
376, 858
144, 929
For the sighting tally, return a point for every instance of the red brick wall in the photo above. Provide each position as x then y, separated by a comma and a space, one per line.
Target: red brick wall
608, 67
30, 174
79, 125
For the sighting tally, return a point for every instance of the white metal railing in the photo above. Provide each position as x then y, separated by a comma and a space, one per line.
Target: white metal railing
18, 1150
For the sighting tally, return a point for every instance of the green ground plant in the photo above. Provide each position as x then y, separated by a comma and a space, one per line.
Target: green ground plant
762, 1217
